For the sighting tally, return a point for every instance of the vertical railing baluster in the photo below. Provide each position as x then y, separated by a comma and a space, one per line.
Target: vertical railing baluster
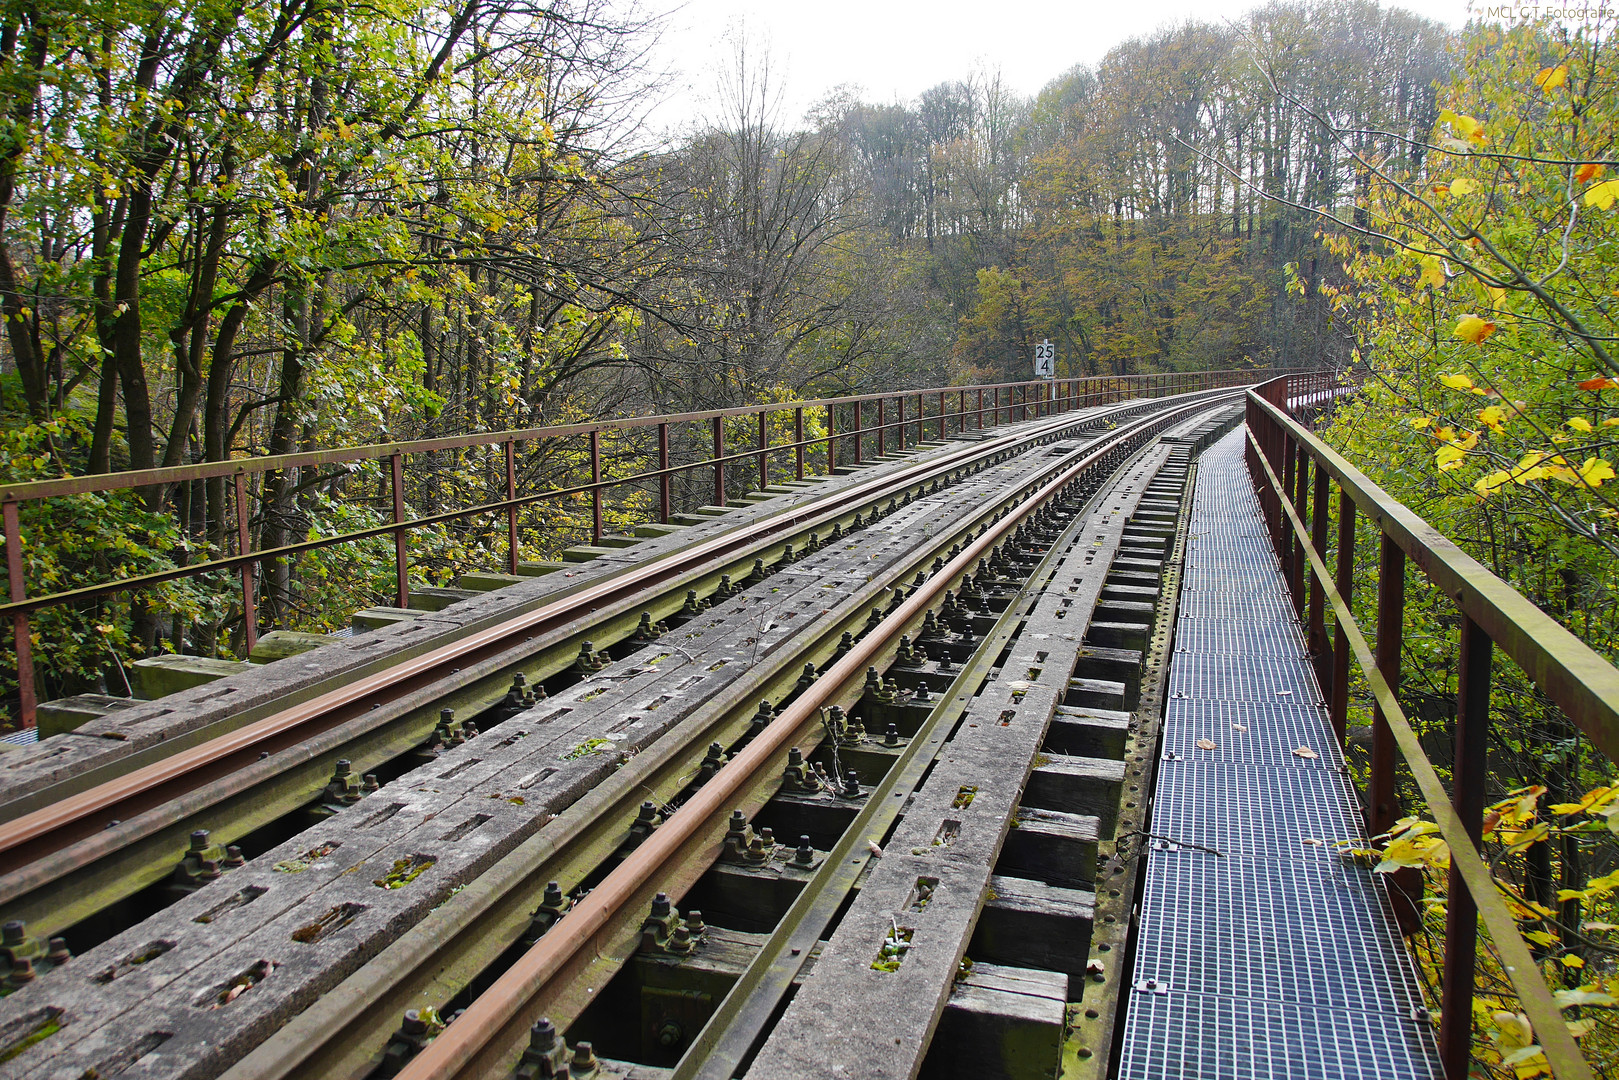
1344, 580
244, 543
1380, 801
764, 452
719, 465
900, 427
596, 486
663, 472
510, 447
882, 426
798, 441
1301, 480
859, 409
1461, 909
21, 635
396, 462
831, 438
1318, 540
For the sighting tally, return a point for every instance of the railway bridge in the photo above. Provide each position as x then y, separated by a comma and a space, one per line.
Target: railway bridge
968, 733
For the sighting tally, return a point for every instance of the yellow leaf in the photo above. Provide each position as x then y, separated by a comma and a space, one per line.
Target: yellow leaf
1420, 422
1595, 470
1551, 78
1468, 441
1602, 195
1463, 186
1449, 457
1445, 434
1579, 423
1589, 171
1611, 421
1473, 330
1493, 417
1572, 961
1457, 382
1433, 272
1488, 485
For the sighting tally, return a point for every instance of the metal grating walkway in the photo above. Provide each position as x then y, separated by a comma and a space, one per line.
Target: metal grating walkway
1277, 957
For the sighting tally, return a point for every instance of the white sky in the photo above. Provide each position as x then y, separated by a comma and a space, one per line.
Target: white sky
895, 49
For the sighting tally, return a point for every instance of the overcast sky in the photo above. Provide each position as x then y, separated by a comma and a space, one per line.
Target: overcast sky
895, 49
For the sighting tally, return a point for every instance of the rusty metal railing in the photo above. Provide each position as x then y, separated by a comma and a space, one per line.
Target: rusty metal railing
900, 419
1293, 472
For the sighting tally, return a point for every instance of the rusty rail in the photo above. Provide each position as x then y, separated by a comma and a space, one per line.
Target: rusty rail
1008, 403
1282, 455
481, 1040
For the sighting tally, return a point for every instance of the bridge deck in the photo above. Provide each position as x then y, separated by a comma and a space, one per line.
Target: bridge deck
1275, 957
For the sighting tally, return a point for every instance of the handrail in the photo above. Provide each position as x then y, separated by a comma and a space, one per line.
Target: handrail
1281, 455
952, 411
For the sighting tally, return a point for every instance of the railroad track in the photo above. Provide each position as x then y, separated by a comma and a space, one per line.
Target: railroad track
621, 786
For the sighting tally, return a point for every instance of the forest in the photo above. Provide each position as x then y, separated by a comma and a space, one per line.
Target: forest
231, 230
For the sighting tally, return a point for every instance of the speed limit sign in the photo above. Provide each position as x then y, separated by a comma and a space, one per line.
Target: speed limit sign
1045, 360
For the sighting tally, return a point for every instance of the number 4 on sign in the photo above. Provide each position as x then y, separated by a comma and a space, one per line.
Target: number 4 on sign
1045, 360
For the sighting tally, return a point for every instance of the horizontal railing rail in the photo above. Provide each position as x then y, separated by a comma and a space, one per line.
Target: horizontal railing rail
901, 418
1293, 471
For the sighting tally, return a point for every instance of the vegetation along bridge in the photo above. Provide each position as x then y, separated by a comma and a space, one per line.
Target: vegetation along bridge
1026, 730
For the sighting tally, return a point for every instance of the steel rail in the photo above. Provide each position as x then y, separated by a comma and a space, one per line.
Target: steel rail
478, 1041
731, 1032
349, 1019
1534, 995
31, 838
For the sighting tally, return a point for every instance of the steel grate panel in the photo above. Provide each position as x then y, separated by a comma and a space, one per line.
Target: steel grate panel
1245, 732
1312, 932
1177, 1036
1282, 811
1277, 957
1242, 677
1271, 607
1231, 637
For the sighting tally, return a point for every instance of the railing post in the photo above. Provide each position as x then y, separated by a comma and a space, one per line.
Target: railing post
831, 438
719, 466
980, 413
798, 440
596, 486
764, 453
1301, 488
250, 604
1380, 808
663, 472
1461, 909
396, 461
511, 511
20, 633
1344, 579
1318, 598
